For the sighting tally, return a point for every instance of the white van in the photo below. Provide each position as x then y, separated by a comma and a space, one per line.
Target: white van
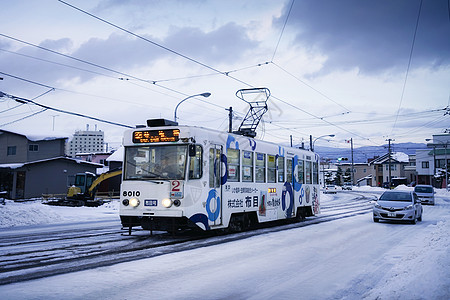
425, 193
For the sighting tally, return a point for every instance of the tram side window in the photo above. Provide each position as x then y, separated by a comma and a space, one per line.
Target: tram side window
247, 166
195, 164
301, 171
289, 170
214, 168
271, 168
260, 167
233, 164
308, 171
315, 173
280, 169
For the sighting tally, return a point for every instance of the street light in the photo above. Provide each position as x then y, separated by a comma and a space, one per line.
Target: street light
445, 144
206, 95
312, 144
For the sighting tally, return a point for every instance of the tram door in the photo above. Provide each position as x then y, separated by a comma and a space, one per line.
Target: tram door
214, 203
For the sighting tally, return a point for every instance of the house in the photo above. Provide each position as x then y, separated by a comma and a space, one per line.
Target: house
32, 165
47, 176
388, 167
21, 148
432, 164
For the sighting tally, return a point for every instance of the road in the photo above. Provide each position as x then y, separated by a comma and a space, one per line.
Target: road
38, 251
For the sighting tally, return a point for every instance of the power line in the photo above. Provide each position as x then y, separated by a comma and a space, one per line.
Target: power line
165, 48
282, 31
409, 65
311, 87
26, 117
23, 100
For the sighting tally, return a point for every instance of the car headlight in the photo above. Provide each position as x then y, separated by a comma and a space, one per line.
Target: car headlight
408, 207
134, 202
167, 202
377, 205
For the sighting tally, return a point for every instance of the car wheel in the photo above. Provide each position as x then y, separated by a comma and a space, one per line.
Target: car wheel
376, 220
414, 221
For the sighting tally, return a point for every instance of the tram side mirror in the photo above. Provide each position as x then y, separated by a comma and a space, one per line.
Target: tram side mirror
192, 151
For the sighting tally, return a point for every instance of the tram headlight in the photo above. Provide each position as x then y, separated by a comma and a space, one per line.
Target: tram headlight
167, 202
126, 202
176, 202
134, 202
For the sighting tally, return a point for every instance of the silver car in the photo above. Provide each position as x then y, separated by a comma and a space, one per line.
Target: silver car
398, 206
425, 193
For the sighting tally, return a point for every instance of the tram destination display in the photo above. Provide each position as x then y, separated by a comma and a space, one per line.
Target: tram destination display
156, 136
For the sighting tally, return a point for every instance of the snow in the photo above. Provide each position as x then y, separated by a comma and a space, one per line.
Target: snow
14, 214
351, 258
400, 156
117, 155
39, 136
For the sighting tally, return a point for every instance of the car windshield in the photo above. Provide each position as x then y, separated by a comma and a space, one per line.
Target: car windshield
155, 162
395, 196
423, 189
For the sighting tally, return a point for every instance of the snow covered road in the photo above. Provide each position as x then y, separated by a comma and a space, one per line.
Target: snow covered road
350, 258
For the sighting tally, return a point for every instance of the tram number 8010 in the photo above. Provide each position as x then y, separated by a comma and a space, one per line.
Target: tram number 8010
131, 193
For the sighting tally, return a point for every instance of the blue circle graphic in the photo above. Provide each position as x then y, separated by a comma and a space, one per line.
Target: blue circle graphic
212, 215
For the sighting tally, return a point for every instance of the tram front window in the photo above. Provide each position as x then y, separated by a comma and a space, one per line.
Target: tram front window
155, 162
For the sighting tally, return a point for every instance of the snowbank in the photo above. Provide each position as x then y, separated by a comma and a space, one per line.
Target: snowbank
34, 212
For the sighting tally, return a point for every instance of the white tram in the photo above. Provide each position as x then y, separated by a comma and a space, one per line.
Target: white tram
186, 176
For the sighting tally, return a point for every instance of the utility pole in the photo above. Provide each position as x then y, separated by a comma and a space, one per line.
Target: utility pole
230, 119
389, 149
353, 165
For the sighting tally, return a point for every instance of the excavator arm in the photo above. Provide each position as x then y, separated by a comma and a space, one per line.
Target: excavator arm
101, 178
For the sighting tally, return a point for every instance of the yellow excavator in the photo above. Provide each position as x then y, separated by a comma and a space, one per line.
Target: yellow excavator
82, 192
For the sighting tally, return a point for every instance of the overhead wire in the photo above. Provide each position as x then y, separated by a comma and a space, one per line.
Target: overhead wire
186, 57
23, 100
408, 67
282, 30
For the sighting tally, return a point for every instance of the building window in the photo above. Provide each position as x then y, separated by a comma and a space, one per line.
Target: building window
425, 164
440, 163
33, 148
11, 150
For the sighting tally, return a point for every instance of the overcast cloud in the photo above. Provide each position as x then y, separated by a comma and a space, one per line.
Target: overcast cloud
339, 67
373, 36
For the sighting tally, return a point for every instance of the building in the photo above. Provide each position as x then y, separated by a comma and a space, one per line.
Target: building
32, 165
20, 148
388, 167
99, 158
432, 164
86, 142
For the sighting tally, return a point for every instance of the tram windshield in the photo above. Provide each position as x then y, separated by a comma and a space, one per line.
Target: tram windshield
155, 162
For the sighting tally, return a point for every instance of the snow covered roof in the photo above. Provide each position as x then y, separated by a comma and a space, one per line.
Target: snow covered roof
117, 155
11, 166
398, 157
19, 165
34, 137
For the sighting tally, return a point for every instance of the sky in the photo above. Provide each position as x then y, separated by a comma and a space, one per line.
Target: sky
363, 70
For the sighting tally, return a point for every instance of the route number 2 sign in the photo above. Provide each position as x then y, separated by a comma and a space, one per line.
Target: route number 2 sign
176, 189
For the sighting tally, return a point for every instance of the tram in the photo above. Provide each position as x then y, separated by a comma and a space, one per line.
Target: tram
177, 177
